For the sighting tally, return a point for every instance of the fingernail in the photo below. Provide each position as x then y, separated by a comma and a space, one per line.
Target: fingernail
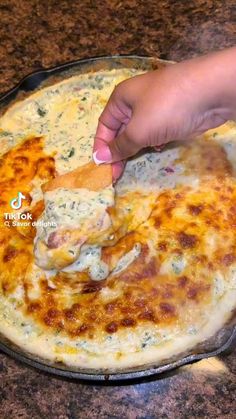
96, 160
102, 156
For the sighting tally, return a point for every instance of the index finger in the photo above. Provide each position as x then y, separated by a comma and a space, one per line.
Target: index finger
115, 114
104, 135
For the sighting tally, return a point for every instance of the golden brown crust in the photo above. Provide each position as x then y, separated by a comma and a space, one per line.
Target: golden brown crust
143, 293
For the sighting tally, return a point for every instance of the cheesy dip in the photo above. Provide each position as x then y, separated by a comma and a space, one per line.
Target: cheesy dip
168, 281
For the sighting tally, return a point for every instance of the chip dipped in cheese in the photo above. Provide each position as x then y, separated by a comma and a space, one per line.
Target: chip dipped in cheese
75, 213
81, 217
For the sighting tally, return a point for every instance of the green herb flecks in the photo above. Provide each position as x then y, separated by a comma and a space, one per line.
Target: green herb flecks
69, 155
41, 112
4, 133
72, 152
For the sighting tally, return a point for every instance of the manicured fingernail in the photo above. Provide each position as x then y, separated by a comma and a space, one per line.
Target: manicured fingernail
102, 156
95, 159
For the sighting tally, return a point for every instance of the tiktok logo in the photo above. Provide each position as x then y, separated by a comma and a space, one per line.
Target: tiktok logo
16, 203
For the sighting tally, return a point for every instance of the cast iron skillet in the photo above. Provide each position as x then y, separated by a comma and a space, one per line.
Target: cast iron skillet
224, 340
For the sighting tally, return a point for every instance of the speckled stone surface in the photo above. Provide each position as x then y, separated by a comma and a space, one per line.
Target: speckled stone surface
42, 33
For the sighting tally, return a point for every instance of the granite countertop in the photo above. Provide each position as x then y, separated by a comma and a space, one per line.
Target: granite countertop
36, 34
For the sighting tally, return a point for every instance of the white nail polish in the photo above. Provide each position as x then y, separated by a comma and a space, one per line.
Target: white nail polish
96, 160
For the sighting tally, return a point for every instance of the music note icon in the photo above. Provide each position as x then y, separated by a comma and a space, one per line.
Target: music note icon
16, 203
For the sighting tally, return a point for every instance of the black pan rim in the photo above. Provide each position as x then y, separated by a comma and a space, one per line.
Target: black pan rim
115, 377
47, 72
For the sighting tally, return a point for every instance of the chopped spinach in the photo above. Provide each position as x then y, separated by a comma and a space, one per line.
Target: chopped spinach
72, 152
41, 112
4, 133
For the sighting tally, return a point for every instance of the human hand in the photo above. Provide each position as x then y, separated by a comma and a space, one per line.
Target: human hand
176, 103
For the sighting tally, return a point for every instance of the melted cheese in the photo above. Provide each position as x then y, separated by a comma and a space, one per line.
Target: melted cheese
67, 212
90, 259
71, 208
171, 281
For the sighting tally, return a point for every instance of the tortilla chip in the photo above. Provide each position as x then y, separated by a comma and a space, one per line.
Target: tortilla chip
90, 176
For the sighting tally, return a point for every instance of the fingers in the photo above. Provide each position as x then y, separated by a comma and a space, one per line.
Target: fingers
117, 170
123, 146
117, 130
115, 114
112, 122
126, 144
